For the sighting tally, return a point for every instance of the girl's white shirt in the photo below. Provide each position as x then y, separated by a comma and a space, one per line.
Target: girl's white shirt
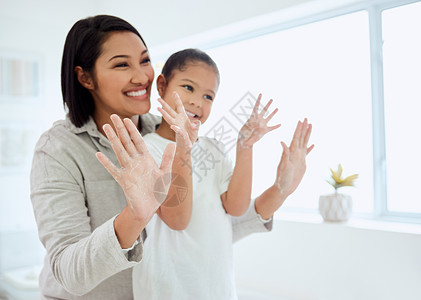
195, 263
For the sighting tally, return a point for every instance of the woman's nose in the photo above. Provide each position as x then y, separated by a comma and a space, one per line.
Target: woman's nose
140, 76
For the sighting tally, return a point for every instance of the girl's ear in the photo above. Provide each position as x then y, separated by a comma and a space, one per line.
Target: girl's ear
84, 78
161, 84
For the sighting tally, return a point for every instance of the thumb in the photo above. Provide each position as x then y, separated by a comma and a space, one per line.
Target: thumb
285, 153
167, 158
196, 124
105, 161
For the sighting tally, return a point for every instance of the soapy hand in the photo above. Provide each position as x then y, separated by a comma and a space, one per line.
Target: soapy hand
144, 184
256, 126
292, 166
186, 130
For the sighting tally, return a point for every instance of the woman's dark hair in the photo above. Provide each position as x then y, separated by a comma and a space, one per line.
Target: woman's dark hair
180, 59
82, 48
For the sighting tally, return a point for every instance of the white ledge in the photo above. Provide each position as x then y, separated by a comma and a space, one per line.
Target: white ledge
353, 222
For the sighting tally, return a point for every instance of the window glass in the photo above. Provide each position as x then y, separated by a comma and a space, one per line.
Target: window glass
401, 28
320, 71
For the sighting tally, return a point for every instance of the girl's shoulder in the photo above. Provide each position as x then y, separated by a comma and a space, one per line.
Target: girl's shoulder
211, 145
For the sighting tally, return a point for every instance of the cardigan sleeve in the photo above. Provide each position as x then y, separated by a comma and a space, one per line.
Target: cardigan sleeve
80, 258
249, 223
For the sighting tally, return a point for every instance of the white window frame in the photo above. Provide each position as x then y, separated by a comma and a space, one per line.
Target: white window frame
300, 15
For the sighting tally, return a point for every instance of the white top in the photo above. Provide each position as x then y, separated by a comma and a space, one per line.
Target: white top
195, 263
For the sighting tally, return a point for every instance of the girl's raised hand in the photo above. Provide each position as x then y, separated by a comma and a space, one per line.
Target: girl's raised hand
144, 184
256, 126
186, 130
292, 166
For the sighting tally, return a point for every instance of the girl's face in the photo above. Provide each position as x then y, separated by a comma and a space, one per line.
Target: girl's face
196, 85
122, 77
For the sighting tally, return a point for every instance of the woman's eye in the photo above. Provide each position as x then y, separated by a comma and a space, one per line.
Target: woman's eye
207, 97
146, 61
121, 65
188, 87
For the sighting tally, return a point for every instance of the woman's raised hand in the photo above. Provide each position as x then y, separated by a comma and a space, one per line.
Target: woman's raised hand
186, 130
292, 166
144, 183
256, 126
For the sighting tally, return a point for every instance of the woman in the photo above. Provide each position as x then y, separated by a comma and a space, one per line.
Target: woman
91, 224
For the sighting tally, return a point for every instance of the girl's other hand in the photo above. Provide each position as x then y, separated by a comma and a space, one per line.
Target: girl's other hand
256, 126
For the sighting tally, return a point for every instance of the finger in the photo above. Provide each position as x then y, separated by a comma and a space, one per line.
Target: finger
271, 115
118, 148
270, 128
265, 109
256, 105
307, 135
167, 117
167, 108
167, 158
179, 107
111, 168
310, 148
123, 134
297, 134
136, 137
303, 131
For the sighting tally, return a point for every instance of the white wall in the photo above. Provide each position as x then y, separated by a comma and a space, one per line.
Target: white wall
321, 261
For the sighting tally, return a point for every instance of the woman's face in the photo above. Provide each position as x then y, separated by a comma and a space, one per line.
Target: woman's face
123, 77
196, 85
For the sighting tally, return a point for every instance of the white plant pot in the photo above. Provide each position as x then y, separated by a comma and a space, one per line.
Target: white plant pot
335, 207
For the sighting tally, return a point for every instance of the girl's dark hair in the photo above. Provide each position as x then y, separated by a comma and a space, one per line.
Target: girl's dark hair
82, 48
180, 59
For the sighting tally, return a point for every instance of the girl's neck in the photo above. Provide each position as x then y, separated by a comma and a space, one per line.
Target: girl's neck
164, 130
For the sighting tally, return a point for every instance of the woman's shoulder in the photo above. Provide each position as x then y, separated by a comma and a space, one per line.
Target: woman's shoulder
150, 123
61, 135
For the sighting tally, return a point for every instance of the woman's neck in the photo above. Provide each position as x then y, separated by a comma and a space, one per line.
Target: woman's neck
164, 130
100, 121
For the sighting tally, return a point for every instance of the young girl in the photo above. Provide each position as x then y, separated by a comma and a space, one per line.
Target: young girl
196, 262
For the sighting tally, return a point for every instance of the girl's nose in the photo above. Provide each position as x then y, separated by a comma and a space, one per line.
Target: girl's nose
196, 101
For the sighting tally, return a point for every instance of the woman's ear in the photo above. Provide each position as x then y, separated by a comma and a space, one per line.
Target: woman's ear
161, 84
84, 78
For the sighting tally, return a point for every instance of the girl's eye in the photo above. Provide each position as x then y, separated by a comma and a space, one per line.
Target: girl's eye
188, 87
207, 97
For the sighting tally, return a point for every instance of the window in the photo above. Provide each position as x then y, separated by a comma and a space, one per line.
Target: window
320, 71
355, 72
401, 28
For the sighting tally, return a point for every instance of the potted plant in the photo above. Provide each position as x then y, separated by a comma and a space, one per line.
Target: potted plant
337, 207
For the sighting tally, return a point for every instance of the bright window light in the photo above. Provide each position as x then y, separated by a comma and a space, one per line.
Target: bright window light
320, 71
402, 86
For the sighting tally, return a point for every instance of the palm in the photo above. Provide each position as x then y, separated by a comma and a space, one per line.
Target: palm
292, 166
144, 183
141, 182
256, 126
186, 131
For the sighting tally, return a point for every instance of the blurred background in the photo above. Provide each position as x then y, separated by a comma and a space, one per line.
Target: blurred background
352, 67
